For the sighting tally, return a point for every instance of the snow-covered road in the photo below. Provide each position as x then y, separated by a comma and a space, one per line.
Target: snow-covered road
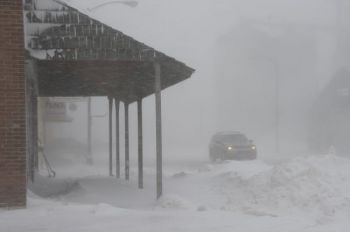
303, 194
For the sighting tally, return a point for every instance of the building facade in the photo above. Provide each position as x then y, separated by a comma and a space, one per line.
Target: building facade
12, 106
50, 49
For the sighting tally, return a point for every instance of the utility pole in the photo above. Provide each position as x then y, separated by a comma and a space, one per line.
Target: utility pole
277, 106
339, 27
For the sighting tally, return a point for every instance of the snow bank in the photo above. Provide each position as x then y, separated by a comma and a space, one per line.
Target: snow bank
51, 187
173, 202
315, 184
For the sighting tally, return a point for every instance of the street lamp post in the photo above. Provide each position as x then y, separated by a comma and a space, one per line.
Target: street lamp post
127, 3
276, 68
277, 113
90, 116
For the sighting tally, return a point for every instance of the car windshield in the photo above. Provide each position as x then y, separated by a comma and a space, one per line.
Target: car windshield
235, 139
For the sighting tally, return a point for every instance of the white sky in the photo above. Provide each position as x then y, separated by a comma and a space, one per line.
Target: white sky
183, 27
188, 30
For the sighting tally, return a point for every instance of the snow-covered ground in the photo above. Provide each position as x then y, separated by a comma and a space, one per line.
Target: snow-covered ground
307, 193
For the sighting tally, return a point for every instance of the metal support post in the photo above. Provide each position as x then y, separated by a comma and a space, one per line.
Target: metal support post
158, 129
110, 103
126, 105
140, 142
89, 127
117, 144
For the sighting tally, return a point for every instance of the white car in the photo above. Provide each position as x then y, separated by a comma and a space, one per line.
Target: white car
231, 145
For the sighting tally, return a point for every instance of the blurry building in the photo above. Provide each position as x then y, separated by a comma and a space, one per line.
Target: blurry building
329, 119
330, 116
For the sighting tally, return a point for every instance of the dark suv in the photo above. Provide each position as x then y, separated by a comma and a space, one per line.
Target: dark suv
231, 146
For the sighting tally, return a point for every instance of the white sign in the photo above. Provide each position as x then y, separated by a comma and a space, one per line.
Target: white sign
56, 111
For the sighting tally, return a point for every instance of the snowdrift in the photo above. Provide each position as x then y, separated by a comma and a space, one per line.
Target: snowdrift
310, 184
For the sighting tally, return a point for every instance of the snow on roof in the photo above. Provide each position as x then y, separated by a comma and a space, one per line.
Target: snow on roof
153, 22
38, 21
132, 21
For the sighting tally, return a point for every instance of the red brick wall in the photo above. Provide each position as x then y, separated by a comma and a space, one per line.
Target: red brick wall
12, 106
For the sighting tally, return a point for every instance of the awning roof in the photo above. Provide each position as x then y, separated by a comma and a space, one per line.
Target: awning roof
126, 80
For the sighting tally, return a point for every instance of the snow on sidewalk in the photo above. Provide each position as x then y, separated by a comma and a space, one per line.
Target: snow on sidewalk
52, 216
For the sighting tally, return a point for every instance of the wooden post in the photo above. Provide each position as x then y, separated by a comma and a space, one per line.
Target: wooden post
32, 130
110, 103
140, 142
126, 106
117, 145
158, 129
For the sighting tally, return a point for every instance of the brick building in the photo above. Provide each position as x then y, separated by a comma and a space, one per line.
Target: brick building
69, 54
12, 106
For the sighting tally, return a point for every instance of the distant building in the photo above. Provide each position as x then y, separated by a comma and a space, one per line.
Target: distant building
329, 121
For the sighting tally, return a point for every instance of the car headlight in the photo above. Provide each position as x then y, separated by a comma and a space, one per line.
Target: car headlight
253, 147
229, 148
